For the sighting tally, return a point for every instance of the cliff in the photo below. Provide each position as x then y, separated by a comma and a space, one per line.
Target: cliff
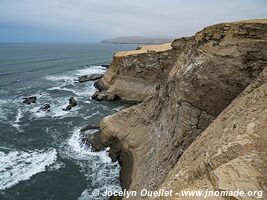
132, 74
230, 154
188, 132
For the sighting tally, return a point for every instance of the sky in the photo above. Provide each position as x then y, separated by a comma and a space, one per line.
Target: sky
94, 20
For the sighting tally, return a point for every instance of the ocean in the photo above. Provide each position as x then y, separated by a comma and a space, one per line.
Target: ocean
42, 156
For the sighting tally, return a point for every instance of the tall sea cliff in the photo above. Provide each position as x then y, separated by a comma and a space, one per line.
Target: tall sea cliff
201, 121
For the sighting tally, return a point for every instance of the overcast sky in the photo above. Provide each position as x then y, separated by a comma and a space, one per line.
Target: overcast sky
93, 20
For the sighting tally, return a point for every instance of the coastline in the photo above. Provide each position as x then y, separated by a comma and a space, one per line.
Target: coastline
135, 134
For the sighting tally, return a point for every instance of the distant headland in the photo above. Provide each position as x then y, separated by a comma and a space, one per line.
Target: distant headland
136, 40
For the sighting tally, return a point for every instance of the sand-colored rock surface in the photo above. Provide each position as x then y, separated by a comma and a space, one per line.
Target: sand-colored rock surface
195, 82
231, 153
133, 75
145, 49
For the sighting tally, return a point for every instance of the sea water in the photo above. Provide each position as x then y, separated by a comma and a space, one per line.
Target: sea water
41, 153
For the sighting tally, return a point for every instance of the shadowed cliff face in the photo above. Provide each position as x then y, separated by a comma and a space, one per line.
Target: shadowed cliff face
230, 154
204, 73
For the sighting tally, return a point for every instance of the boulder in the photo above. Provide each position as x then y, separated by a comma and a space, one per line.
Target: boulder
90, 135
45, 107
67, 108
106, 66
104, 96
99, 85
72, 102
89, 127
29, 100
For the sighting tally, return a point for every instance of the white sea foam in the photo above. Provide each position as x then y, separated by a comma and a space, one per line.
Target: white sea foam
56, 166
56, 109
85, 91
67, 82
96, 166
18, 166
2, 110
90, 116
66, 78
71, 76
80, 151
91, 70
17, 120
119, 108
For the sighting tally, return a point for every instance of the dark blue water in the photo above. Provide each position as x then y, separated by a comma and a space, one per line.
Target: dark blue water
41, 153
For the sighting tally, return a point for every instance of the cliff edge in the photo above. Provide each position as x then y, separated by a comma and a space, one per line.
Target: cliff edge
132, 75
164, 141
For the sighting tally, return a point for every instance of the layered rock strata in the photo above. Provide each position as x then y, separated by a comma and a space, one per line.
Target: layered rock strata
132, 75
195, 82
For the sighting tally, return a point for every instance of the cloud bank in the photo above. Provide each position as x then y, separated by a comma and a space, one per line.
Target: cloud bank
93, 20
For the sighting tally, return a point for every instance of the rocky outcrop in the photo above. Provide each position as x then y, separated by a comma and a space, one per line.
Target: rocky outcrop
132, 75
91, 77
45, 107
199, 77
72, 103
29, 100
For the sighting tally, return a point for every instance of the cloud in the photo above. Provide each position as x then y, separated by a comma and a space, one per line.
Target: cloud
90, 20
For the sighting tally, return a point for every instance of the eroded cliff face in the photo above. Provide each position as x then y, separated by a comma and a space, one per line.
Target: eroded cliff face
204, 74
230, 154
132, 74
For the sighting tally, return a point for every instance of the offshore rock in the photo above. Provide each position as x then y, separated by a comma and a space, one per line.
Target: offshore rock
91, 77
29, 100
45, 107
72, 103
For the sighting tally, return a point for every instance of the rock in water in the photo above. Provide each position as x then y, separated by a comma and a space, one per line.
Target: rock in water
89, 127
45, 107
106, 66
67, 108
29, 100
104, 96
72, 103
90, 135
91, 77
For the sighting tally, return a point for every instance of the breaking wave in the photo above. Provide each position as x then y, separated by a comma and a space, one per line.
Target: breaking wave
19, 166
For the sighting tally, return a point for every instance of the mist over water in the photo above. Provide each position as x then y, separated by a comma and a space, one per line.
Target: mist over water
41, 153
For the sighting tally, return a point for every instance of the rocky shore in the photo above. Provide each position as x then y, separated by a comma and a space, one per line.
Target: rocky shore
202, 118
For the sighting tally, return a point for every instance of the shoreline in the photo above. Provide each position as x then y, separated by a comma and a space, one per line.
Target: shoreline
168, 123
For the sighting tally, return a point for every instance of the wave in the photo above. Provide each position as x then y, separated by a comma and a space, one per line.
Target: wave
85, 91
91, 70
73, 74
67, 82
56, 166
97, 167
17, 120
56, 110
17, 166
77, 149
66, 78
